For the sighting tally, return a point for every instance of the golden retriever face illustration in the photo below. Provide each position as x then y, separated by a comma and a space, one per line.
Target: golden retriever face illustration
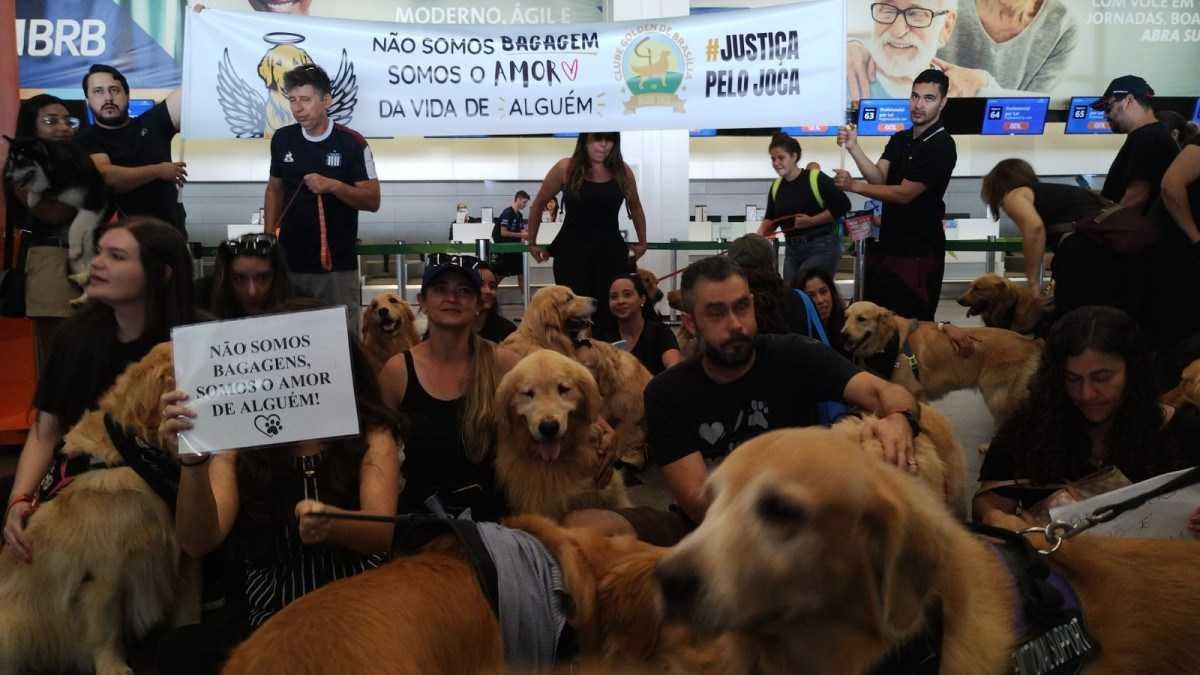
274, 65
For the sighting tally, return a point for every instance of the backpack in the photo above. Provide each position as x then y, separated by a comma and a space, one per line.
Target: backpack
813, 176
828, 412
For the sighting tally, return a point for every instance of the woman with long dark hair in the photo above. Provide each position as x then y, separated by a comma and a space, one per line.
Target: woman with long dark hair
260, 505
821, 289
1046, 213
1091, 405
637, 324
589, 252
140, 288
250, 277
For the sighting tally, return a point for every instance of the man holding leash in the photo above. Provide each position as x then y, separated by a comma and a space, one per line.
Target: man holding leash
904, 267
322, 175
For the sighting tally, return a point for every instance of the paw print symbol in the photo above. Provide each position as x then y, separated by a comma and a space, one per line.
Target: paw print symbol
274, 427
268, 425
758, 414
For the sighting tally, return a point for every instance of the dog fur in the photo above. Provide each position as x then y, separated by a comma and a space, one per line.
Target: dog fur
1000, 367
689, 343
840, 555
549, 451
1188, 389
425, 614
388, 328
654, 294
106, 566
555, 319
66, 172
1002, 304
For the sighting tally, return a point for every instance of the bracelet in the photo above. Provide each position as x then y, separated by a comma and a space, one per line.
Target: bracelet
17, 500
203, 458
913, 423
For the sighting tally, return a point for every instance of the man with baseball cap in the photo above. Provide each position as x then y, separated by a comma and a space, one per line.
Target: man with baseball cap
1135, 175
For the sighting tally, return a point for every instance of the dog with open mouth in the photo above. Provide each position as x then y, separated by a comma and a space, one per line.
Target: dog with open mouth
1003, 304
389, 328
556, 319
551, 456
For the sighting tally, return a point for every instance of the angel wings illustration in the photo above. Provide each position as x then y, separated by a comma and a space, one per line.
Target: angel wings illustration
252, 113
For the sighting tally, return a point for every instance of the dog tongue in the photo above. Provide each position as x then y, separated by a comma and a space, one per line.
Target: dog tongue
549, 450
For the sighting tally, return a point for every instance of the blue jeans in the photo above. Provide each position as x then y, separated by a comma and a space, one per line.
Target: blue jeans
801, 254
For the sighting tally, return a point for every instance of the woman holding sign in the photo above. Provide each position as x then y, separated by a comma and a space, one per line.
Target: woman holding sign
589, 251
140, 288
260, 503
1091, 406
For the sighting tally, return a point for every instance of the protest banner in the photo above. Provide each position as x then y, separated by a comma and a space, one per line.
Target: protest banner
266, 380
754, 68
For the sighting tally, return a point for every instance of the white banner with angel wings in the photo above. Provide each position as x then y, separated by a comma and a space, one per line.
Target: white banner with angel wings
782, 66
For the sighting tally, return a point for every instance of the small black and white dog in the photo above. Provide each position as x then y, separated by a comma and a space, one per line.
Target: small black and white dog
65, 171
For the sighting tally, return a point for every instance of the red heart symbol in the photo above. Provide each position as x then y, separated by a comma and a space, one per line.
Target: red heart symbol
571, 69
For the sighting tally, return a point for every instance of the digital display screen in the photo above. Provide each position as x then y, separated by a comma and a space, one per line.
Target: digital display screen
702, 132
1196, 112
882, 116
137, 106
811, 130
1081, 119
1004, 116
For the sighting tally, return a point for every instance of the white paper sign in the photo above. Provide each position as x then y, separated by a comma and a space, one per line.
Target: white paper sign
1164, 517
266, 380
776, 66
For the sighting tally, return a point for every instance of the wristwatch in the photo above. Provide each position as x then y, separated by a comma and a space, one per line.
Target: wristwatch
914, 424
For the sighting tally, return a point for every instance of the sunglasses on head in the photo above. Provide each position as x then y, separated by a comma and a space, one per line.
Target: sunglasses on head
467, 262
260, 244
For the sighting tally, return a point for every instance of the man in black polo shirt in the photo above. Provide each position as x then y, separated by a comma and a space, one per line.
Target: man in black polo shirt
322, 175
904, 268
510, 228
1135, 175
134, 154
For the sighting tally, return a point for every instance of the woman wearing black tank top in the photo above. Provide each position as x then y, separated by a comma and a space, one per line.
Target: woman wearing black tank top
589, 251
1086, 271
445, 387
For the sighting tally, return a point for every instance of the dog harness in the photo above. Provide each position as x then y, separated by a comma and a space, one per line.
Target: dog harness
149, 463
884, 362
519, 577
1052, 638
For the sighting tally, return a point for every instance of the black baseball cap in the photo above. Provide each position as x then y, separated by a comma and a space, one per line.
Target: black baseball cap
438, 264
1125, 84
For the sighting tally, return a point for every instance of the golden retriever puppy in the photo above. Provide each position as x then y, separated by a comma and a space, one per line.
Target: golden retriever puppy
555, 319
622, 380
1188, 389
940, 461
549, 452
426, 614
839, 557
1000, 367
388, 328
1002, 304
106, 567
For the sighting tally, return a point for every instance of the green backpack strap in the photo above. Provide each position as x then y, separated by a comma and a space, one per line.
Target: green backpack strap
812, 182
775, 187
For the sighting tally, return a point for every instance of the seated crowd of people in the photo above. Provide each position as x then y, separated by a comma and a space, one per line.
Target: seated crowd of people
761, 354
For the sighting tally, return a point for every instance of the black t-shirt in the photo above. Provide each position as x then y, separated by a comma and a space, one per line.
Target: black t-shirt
796, 196
915, 229
1145, 156
687, 412
57, 386
496, 328
145, 140
656, 339
510, 219
342, 154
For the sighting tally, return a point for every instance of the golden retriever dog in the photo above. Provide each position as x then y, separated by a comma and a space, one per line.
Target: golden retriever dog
689, 344
388, 328
549, 451
1000, 367
274, 65
106, 567
839, 557
426, 614
622, 379
555, 319
940, 461
1188, 389
650, 283
1002, 304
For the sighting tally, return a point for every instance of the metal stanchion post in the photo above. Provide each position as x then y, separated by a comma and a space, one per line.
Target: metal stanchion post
860, 269
674, 275
989, 260
401, 273
1041, 271
528, 282
483, 249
